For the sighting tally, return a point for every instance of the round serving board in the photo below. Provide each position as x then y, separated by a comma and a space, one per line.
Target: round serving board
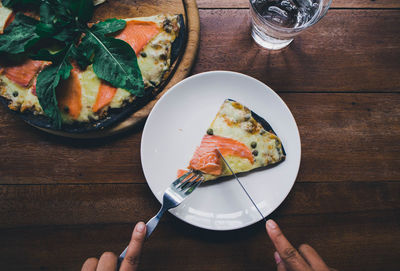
181, 67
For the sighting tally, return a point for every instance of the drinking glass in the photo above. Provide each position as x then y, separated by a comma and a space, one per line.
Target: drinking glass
276, 22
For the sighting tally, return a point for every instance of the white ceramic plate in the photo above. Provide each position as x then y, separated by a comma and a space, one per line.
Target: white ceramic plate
176, 126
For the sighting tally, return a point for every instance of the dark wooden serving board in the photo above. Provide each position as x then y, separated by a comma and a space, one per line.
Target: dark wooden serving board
181, 67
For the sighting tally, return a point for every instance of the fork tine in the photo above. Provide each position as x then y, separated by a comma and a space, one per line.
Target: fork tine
194, 184
186, 181
183, 177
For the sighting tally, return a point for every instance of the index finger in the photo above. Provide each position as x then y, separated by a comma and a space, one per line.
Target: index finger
287, 252
131, 260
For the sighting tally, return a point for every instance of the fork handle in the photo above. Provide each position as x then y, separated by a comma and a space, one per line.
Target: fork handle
153, 222
150, 226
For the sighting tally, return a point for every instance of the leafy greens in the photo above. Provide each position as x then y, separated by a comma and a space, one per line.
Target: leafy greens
62, 25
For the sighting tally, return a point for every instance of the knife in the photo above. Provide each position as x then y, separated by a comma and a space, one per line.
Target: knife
244, 189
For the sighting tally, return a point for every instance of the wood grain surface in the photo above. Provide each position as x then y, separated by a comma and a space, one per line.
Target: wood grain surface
64, 200
348, 50
338, 144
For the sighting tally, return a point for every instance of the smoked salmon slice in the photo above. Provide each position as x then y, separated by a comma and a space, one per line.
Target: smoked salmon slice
104, 96
207, 159
69, 94
23, 74
138, 34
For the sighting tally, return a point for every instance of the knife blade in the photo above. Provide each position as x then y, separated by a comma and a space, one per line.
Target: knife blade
244, 189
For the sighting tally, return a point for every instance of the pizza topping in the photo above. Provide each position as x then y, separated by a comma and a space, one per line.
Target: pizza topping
69, 94
104, 96
210, 131
23, 74
9, 20
253, 144
255, 152
138, 34
206, 157
6, 15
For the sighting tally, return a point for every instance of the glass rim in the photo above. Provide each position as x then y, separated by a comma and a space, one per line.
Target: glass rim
317, 16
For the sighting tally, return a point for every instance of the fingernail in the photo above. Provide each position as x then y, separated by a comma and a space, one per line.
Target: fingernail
271, 224
277, 257
140, 227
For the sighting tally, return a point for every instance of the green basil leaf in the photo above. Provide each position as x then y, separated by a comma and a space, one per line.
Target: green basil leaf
115, 62
109, 26
15, 3
45, 30
48, 80
46, 13
19, 35
85, 12
68, 33
84, 53
45, 55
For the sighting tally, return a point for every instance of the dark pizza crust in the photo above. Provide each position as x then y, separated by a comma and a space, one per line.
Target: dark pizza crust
114, 115
267, 127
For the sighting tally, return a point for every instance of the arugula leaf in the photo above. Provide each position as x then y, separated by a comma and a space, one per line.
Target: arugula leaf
20, 35
109, 26
82, 9
48, 80
114, 60
86, 49
14, 3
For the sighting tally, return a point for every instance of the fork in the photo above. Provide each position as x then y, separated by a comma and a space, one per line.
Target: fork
173, 196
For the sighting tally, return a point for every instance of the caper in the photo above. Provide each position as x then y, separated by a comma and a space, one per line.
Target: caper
253, 144
255, 152
210, 131
143, 54
15, 93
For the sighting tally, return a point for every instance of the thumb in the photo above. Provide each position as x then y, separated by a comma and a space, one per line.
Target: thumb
131, 260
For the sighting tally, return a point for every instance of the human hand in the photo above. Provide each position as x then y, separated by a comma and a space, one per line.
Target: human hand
288, 258
108, 261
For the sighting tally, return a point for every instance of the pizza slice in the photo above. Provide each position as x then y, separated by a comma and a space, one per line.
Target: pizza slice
245, 140
86, 100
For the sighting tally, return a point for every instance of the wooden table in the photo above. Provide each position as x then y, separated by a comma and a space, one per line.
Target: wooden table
64, 200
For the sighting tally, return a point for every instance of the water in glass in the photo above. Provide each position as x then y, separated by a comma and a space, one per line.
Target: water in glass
276, 22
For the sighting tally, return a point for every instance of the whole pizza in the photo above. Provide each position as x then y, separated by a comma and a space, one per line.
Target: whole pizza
59, 70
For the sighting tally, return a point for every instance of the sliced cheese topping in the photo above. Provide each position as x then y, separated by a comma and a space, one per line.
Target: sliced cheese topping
6, 15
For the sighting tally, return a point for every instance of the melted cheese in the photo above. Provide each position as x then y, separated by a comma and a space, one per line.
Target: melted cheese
5, 13
235, 121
